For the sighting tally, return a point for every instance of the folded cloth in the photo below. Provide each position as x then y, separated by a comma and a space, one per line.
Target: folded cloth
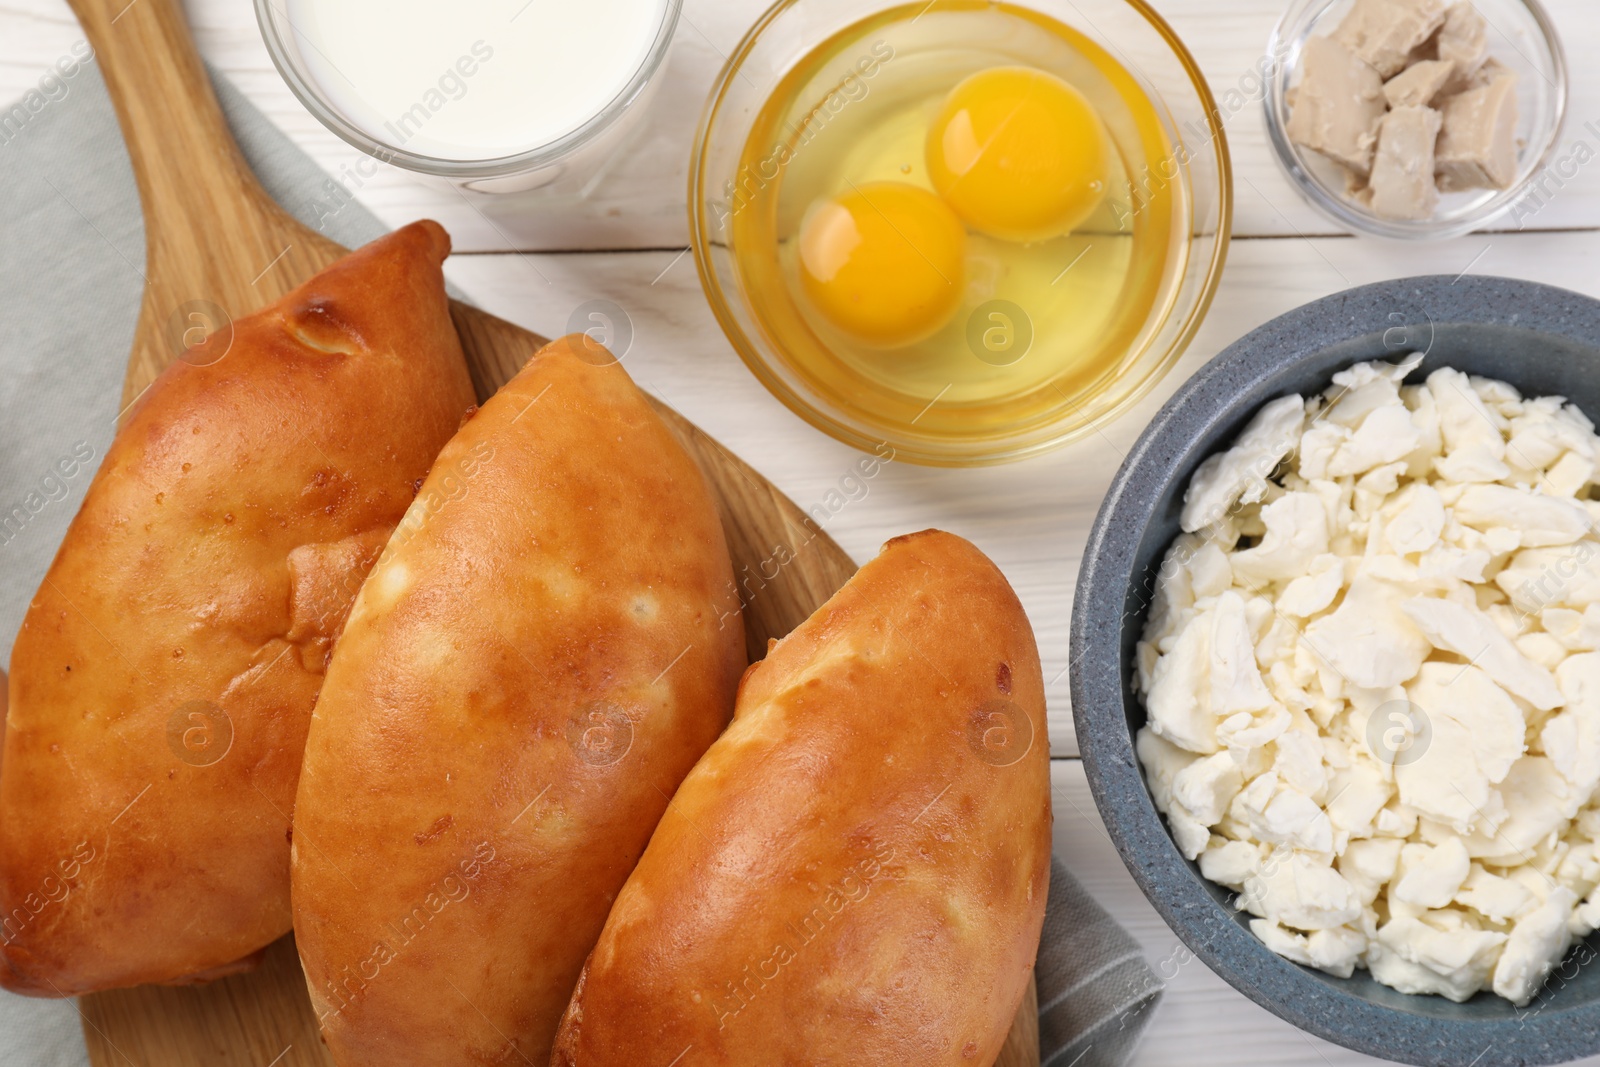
71, 278
1096, 992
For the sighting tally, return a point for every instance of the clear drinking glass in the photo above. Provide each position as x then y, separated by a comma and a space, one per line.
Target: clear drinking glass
1194, 164
569, 165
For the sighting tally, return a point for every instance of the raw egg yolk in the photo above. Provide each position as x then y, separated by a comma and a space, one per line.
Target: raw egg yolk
1019, 154
885, 262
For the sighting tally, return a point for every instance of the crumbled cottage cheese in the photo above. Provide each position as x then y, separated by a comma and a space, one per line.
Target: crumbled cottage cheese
1372, 678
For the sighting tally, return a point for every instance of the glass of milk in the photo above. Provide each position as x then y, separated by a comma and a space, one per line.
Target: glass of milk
491, 95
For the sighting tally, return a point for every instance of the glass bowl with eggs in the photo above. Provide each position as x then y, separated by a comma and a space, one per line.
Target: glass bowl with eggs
1418, 119
966, 231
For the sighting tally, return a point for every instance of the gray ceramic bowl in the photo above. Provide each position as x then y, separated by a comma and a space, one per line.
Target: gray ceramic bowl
1542, 340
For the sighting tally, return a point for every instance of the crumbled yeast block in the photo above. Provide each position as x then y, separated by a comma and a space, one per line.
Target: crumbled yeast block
1489, 71
1426, 54
1337, 104
1418, 84
1385, 33
1463, 39
1477, 147
1402, 179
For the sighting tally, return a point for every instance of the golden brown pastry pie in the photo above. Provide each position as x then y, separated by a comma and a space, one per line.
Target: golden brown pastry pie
856, 871
163, 680
550, 641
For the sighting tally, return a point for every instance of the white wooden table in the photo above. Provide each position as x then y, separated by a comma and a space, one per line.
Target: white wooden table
628, 245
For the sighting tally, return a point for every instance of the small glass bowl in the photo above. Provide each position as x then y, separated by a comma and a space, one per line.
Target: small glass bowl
1198, 155
569, 165
1521, 36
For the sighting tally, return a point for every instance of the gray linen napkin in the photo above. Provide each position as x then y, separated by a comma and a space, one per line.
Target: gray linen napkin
71, 275
1096, 992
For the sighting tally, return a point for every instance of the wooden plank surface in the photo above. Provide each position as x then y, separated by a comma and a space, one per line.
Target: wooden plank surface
1033, 517
641, 203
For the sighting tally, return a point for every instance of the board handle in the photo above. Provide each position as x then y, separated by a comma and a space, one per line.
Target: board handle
216, 244
179, 144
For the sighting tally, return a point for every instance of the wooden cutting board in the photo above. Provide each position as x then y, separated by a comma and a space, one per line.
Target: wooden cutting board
217, 243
